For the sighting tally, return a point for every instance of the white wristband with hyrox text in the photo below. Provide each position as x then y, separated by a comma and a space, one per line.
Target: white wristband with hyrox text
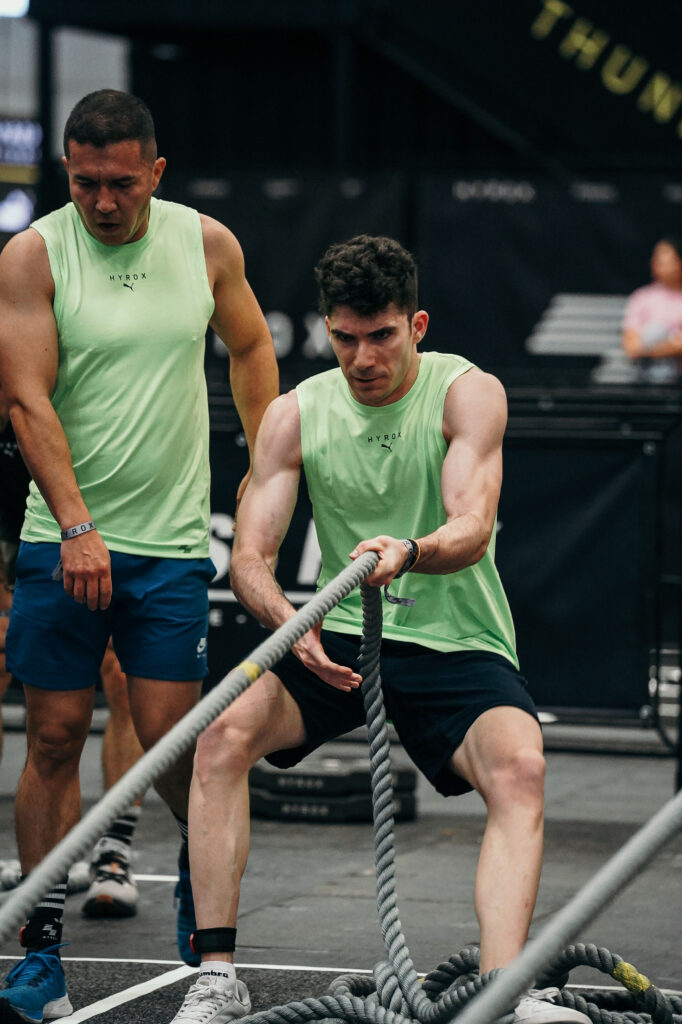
76, 531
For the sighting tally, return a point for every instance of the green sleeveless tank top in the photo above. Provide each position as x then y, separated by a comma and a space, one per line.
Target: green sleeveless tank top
130, 390
373, 470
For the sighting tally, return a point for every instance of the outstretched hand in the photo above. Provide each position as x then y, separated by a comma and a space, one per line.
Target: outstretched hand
86, 567
310, 651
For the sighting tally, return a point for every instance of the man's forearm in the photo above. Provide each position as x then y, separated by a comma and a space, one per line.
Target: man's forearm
45, 451
457, 544
254, 379
257, 589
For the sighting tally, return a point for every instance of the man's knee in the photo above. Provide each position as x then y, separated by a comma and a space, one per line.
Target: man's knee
56, 743
224, 749
520, 777
57, 724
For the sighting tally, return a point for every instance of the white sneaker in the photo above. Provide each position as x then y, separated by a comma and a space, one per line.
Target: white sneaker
214, 1000
10, 874
113, 890
79, 877
538, 1007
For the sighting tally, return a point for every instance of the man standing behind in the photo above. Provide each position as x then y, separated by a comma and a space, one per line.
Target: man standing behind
409, 445
104, 305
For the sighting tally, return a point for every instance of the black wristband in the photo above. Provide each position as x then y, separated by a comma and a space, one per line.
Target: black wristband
413, 553
213, 940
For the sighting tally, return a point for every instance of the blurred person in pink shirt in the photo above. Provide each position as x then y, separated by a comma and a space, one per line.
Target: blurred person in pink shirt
652, 324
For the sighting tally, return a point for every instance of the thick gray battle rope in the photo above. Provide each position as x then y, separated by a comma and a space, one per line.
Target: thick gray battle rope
395, 996
179, 739
625, 865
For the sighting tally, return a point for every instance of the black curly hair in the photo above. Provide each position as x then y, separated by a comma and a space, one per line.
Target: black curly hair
107, 116
367, 273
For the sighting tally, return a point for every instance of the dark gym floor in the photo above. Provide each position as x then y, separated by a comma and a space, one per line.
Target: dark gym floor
308, 900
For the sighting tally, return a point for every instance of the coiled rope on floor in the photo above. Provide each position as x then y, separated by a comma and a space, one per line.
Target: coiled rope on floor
395, 995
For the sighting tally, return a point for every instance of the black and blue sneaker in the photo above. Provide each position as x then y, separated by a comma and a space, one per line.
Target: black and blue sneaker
35, 990
186, 921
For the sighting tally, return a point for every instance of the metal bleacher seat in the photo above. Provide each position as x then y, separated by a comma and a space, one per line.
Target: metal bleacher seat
586, 325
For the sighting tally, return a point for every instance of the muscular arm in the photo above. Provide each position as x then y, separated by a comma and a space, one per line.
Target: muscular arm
266, 511
239, 322
28, 369
264, 518
474, 420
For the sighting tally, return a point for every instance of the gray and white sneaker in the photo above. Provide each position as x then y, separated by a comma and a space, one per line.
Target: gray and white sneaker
214, 999
538, 1007
113, 889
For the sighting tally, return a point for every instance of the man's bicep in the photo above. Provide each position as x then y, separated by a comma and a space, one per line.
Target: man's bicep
28, 331
266, 510
270, 498
475, 420
237, 317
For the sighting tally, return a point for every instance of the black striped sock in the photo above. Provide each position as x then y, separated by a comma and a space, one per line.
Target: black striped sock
122, 829
44, 925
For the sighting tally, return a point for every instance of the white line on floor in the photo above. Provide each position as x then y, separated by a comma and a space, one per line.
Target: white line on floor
184, 971
155, 878
255, 967
102, 1005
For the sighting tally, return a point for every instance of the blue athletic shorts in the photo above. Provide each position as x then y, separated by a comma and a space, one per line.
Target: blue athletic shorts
431, 697
158, 618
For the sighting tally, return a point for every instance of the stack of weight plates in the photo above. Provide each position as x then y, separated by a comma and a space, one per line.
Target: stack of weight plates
328, 789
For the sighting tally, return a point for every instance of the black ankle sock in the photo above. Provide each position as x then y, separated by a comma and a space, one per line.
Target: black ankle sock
123, 828
44, 925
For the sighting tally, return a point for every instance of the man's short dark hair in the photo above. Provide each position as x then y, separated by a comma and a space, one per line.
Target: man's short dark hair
107, 116
367, 274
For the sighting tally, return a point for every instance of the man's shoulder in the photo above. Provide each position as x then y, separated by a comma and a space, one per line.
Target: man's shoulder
477, 400
439, 371
280, 429
62, 215
166, 211
446, 360
322, 379
25, 262
49, 228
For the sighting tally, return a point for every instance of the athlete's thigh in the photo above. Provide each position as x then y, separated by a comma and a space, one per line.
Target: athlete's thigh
492, 741
156, 705
265, 717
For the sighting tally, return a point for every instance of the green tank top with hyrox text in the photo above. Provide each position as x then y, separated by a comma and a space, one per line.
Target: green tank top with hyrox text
130, 390
373, 470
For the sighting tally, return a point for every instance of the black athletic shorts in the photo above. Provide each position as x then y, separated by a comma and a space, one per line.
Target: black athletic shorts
432, 698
